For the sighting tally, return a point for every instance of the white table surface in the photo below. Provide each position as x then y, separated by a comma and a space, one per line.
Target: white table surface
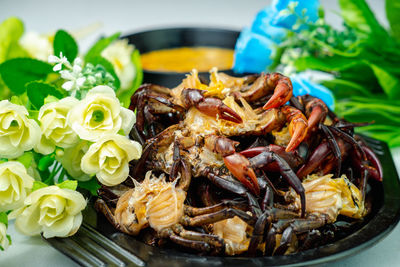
132, 15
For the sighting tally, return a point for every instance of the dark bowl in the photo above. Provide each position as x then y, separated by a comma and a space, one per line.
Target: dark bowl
151, 40
98, 243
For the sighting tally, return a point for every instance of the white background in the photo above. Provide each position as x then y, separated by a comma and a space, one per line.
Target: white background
130, 16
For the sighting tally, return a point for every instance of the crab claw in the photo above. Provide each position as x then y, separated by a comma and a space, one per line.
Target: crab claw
209, 105
215, 107
239, 166
282, 93
298, 126
316, 111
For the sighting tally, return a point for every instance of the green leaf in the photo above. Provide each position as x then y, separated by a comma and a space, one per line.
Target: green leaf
328, 64
358, 15
46, 161
92, 186
26, 159
389, 82
37, 185
4, 218
68, 184
125, 96
39, 91
19, 71
11, 31
393, 16
65, 43
99, 46
108, 67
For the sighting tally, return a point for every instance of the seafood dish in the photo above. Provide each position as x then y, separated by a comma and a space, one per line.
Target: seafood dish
239, 166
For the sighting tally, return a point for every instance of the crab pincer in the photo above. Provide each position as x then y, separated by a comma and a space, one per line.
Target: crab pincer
283, 90
240, 167
237, 164
298, 126
316, 111
210, 106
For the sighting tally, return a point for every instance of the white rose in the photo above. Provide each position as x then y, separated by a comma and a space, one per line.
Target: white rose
53, 123
4, 242
119, 53
71, 160
38, 46
109, 158
15, 184
17, 132
51, 210
100, 113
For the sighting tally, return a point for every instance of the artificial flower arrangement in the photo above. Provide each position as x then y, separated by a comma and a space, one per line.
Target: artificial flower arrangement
64, 125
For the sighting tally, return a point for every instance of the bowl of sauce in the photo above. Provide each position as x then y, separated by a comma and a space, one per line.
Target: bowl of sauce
168, 54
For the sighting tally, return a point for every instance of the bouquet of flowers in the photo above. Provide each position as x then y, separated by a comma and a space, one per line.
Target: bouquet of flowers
64, 119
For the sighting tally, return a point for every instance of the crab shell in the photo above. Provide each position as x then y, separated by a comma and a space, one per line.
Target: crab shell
153, 202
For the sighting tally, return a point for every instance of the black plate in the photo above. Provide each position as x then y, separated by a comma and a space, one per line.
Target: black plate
147, 41
98, 243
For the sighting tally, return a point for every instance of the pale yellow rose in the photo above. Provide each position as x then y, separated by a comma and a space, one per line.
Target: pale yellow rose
15, 184
37, 45
4, 242
50, 210
109, 158
17, 132
71, 160
100, 113
119, 53
54, 126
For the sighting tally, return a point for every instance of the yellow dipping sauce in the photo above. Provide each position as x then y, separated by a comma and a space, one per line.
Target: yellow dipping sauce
185, 59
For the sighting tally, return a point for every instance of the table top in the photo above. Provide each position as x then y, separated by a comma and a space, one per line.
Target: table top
108, 17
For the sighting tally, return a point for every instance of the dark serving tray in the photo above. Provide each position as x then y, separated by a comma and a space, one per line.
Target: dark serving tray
98, 243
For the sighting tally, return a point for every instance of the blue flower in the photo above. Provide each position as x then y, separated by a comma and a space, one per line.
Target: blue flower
253, 52
262, 25
303, 8
302, 85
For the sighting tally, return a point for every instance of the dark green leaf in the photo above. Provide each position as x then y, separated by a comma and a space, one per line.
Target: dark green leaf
39, 91
19, 71
345, 89
92, 186
37, 185
4, 218
358, 15
45, 162
393, 16
389, 82
68, 184
99, 46
125, 96
65, 43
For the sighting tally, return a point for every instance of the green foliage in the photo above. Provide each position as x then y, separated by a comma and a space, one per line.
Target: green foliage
26, 159
92, 186
65, 43
94, 56
37, 185
45, 162
68, 184
38, 91
16, 73
4, 218
11, 31
393, 16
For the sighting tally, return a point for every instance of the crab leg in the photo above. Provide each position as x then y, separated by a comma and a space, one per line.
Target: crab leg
217, 216
265, 158
210, 106
193, 244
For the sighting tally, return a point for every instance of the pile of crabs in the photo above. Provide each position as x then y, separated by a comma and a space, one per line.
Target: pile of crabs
239, 166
